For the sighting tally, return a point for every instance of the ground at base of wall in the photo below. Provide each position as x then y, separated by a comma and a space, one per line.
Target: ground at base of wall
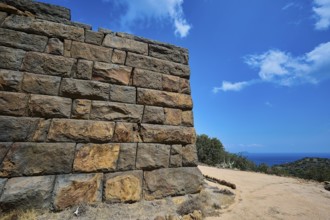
209, 202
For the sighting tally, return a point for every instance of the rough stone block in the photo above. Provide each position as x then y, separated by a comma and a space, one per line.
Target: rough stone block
167, 134
94, 37
12, 103
96, 157
125, 94
126, 132
152, 156
166, 53
27, 192
81, 108
187, 118
75, 189
49, 106
41, 84
171, 83
11, 58
63, 130
185, 86
123, 186
125, 44
90, 52
55, 46
74, 88
84, 69
176, 156
10, 80
147, 79
162, 98
173, 116
163, 66
118, 57
189, 155
38, 159
47, 64
22, 40
172, 182
127, 157
67, 47
116, 111
4, 147
113, 73
153, 115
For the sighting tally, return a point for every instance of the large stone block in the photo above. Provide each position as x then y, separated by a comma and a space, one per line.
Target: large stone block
126, 132
152, 156
10, 80
171, 83
176, 156
47, 64
113, 73
75, 189
123, 186
27, 192
81, 108
94, 37
187, 118
12, 103
55, 46
84, 69
153, 115
167, 53
189, 155
96, 157
118, 57
173, 116
147, 79
4, 147
167, 134
74, 88
49, 106
63, 130
125, 94
22, 40
38, 159
127, 157
172, 182
125, 44
41, 84
90, 52
116, 111
185, 86
165, 99
11, 58
163, 66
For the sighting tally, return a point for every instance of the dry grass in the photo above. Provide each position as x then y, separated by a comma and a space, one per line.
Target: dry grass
30, 214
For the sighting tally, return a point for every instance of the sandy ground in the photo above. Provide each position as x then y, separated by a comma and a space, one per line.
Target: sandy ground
261, 196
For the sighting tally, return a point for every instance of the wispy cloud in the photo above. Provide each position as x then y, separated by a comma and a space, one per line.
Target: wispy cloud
322, 12
291, 5
228, 86
161, 10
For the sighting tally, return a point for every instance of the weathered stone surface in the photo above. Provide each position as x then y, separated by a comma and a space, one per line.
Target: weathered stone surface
176, 156
94, 37
116, 111
104, 30
47, 64
67, 47
185, 86
90, 52
167, 134
163, 66
147, 79
49, 106
172, 182
118, 57
123, 186
187, 118
84, 69
4, 147
126, 132
81, 108
125, 94
125, 44
52, 158
74, 88
172, 116
189, 155
162, 98
3, 15
27, 192
41, 84
166, 53
112, 73
127, 157
2, 184
17, 22
152, 156
96, 157
153, 115
55, 46
171, 83
22, 40
11, 58
63, 130
10, 80
12, 103
77, 189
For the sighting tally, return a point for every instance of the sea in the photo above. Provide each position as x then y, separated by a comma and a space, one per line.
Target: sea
280, 158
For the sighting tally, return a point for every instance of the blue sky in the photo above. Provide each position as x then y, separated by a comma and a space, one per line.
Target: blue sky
260, 69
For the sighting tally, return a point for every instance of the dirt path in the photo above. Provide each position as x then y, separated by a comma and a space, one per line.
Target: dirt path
261, 196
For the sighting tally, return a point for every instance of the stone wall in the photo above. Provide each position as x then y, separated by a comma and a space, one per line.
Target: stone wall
90, 116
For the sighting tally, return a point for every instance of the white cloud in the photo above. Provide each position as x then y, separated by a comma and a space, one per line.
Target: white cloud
228, 86
322, 11
160, 10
